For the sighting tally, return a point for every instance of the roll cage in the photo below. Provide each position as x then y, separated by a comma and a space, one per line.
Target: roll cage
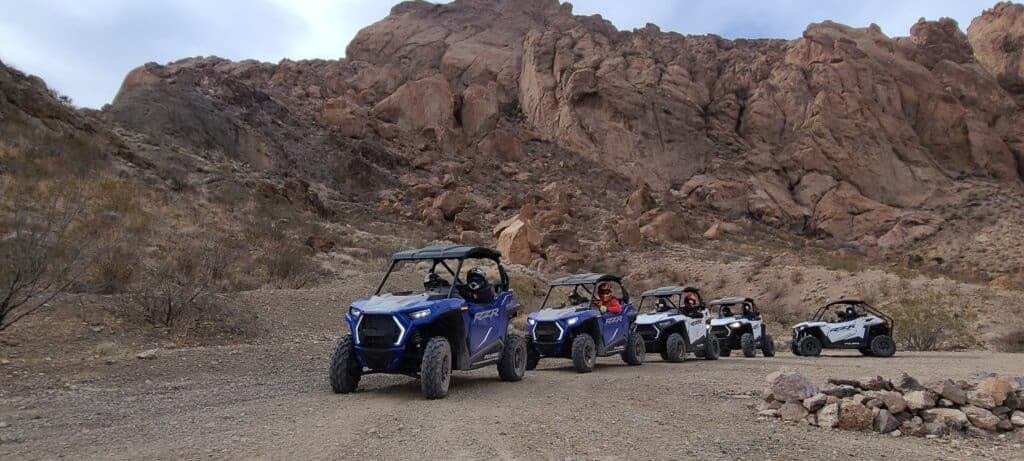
588, 282
673, 295
440, 255
718, 305
858, 304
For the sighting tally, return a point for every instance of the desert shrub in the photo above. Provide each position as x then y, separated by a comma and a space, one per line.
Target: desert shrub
784, 315
1012, 341
177, 290
112, 270
289, 264
44, 246
931, 321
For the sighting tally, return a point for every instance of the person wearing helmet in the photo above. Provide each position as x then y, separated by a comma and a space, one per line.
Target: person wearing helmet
605, 302
477, 288
690, 304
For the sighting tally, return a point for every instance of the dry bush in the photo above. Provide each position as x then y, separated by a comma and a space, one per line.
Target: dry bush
289, 265
177, 291
112, 270
784, 315
931, 321
1012, 341
44, 245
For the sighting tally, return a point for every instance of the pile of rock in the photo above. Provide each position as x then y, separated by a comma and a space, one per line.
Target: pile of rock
983, 405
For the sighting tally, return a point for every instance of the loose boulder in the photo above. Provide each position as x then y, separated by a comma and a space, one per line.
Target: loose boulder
919, 400
791, 386
951, 418
518, 241
792, 411
981, 417
854, 416
884, 422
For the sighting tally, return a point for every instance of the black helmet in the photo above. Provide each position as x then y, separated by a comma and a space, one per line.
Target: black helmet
476, 278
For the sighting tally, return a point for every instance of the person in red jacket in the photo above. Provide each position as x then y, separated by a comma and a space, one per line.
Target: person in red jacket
606, 303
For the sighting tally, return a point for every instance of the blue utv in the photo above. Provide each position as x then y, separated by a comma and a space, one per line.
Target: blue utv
569, 326
451, 324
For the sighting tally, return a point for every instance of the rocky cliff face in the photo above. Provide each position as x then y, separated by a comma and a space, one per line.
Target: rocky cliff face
844, 132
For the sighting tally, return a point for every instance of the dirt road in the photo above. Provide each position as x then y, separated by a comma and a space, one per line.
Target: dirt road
271, 399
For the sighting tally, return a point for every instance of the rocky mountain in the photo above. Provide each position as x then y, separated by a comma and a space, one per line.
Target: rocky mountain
463, 115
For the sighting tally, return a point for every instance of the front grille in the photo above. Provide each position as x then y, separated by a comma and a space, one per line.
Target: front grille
720, 331
546, 332
378, 331
648, 332
375, 360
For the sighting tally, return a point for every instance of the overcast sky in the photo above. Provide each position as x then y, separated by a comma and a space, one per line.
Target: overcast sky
83, 48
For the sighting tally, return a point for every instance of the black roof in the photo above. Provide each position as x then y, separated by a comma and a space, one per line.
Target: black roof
446, 252
588, 278
731, 300
844, 301
668, 291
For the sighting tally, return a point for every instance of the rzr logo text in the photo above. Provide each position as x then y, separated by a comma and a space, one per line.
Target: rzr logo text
484, 315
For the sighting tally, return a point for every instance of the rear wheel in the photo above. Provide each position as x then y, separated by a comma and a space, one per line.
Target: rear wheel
635, 349
675, 348
809, 346
712, 349
436, 369
768, 346
748, 346
883, 346
584, 353
512, 365
345, 368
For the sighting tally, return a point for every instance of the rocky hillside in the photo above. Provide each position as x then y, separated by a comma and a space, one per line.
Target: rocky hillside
575, 138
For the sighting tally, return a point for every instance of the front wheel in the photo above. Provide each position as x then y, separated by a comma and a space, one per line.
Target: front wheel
532, 357
747, 344
883, 346
675, 348
809, 346
635, 350
584, 353
436, 369
512, 365
792, 347
768, 346
345, 368
712, 349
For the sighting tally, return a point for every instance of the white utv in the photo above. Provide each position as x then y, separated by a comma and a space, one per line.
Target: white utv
845, 324
738, 325
676, 324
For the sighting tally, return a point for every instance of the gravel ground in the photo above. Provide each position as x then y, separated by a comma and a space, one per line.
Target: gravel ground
271, 399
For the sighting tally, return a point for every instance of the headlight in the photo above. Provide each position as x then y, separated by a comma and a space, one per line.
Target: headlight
572, 321
530, 321
734, 325
420, 314
355, 313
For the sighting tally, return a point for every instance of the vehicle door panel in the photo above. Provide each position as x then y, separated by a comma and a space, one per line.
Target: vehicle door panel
487, 322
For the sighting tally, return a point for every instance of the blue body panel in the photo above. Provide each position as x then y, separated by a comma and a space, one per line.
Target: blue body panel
485, 324
613, 327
